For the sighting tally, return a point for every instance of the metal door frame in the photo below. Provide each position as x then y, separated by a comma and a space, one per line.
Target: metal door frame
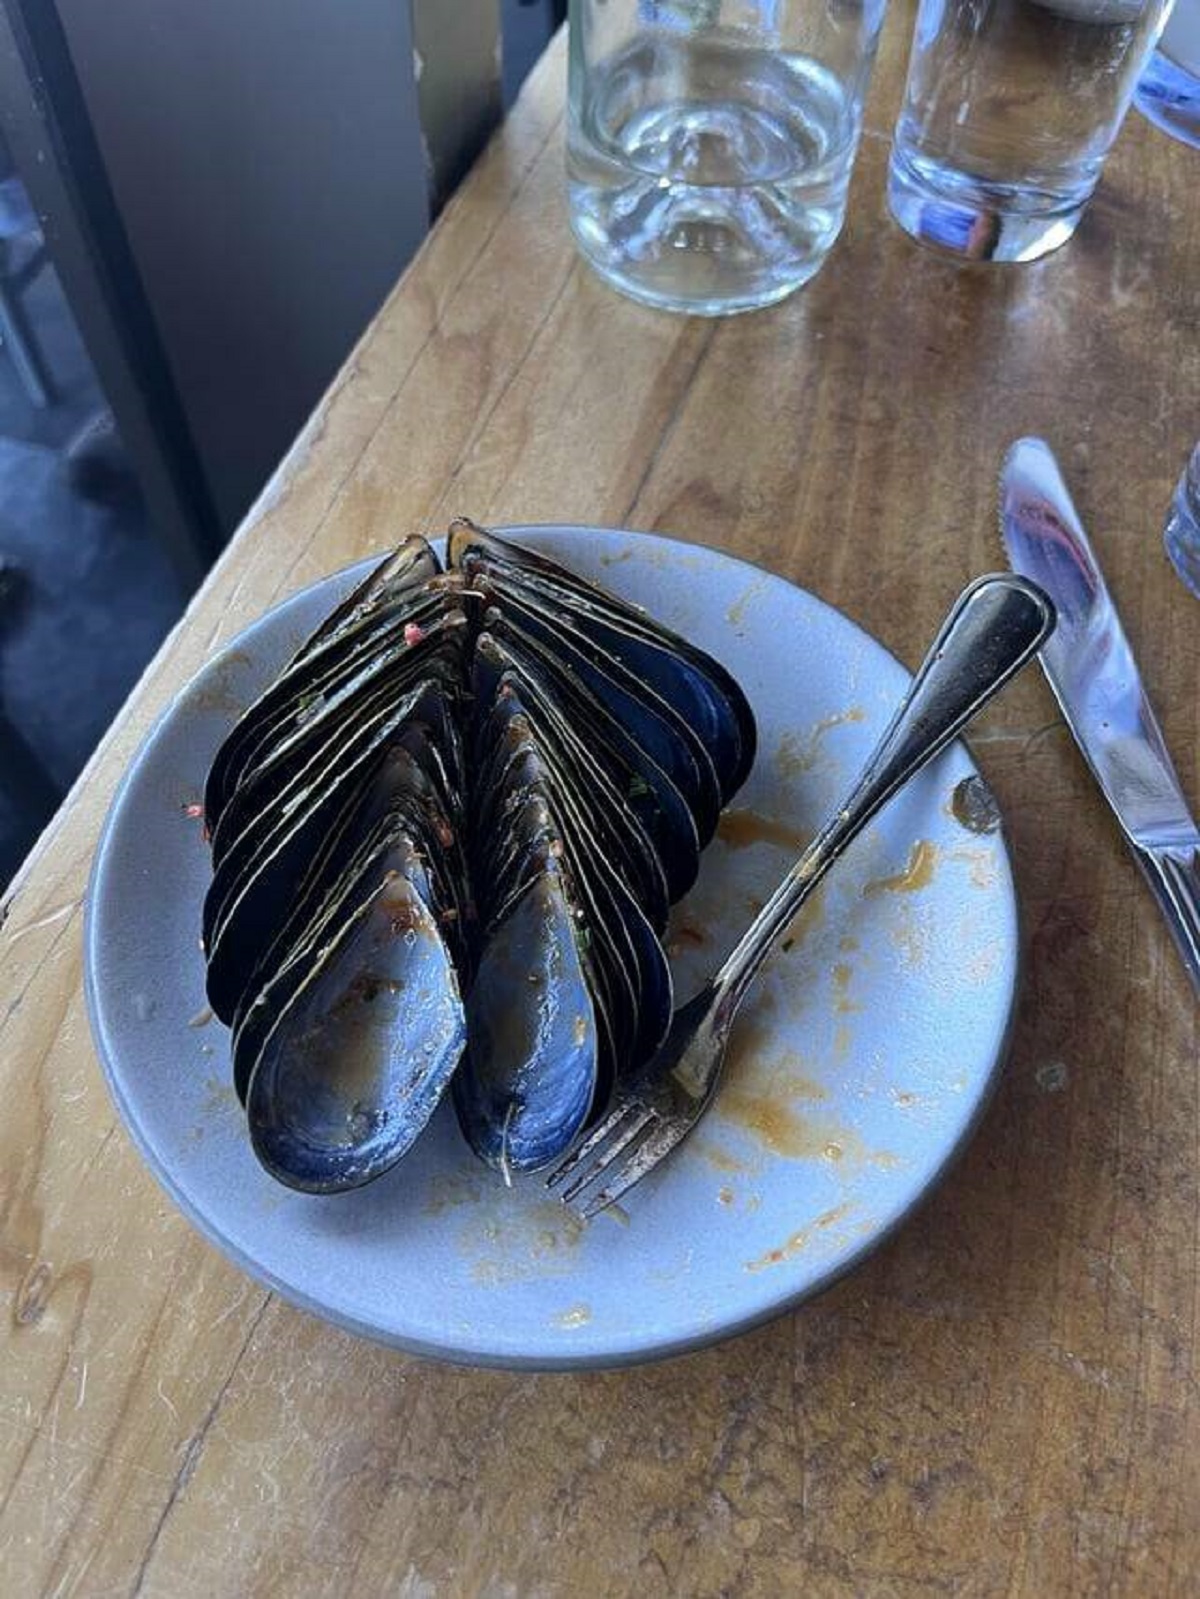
49, 132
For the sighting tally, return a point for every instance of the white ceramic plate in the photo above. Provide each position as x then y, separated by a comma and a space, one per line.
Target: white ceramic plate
860, 1065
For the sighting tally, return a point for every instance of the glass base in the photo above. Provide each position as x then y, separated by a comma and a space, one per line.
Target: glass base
1170, 98
754, 295
974, 220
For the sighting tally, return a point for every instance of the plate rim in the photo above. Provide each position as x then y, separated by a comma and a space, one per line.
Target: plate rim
623, 1355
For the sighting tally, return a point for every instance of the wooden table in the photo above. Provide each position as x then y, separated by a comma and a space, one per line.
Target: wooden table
1004, 1399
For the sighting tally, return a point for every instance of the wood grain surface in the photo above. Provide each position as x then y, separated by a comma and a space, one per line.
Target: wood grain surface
1005, 1400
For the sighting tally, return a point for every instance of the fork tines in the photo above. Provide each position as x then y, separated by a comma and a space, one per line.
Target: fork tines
627, 1128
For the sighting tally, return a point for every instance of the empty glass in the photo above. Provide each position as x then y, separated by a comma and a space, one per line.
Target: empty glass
710, 142
1009, 112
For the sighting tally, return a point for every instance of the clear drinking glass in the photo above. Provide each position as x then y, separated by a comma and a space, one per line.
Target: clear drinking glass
1009, 112
1169, 91
710, 142
1182, 532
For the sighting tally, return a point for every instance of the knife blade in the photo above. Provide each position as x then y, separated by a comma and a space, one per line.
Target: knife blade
1094, 677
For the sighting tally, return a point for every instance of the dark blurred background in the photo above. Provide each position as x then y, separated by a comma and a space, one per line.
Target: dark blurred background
201, 207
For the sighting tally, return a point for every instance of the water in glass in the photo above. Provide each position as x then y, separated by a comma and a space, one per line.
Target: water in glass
1009, 112
707, 171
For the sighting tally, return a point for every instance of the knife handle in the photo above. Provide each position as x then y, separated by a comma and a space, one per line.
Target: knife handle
1174, 877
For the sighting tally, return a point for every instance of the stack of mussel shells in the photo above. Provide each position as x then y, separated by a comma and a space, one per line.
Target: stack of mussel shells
445, 841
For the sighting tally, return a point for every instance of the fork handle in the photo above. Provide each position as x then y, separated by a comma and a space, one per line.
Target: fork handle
995, 626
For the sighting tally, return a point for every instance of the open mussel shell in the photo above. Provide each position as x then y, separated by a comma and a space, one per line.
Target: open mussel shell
530, 1074
515, 768
609, 853
557, 851
360, 1051
397, 804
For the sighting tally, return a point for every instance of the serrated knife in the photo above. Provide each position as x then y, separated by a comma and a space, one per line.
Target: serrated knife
1095, 679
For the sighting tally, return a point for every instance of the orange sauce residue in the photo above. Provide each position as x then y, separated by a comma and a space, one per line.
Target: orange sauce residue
917, 874
805, 1088
784, 1131
537, 1241
736, 614
983, 870
222, 693
742, 828
218, 1096
842, 1003
799, 753
748, 1043
771, 1121
752, 1066
800, 1240
982, 964
716, 1157
448, 1190
806, 921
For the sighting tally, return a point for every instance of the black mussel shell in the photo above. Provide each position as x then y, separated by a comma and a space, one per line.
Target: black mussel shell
251, 891
405, 572
319, 716
655, 725
615, 826
514, 770
647, 789
396, 583
594, 843
696, 685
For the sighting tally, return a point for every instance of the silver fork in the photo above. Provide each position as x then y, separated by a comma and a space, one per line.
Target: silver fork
996, 625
